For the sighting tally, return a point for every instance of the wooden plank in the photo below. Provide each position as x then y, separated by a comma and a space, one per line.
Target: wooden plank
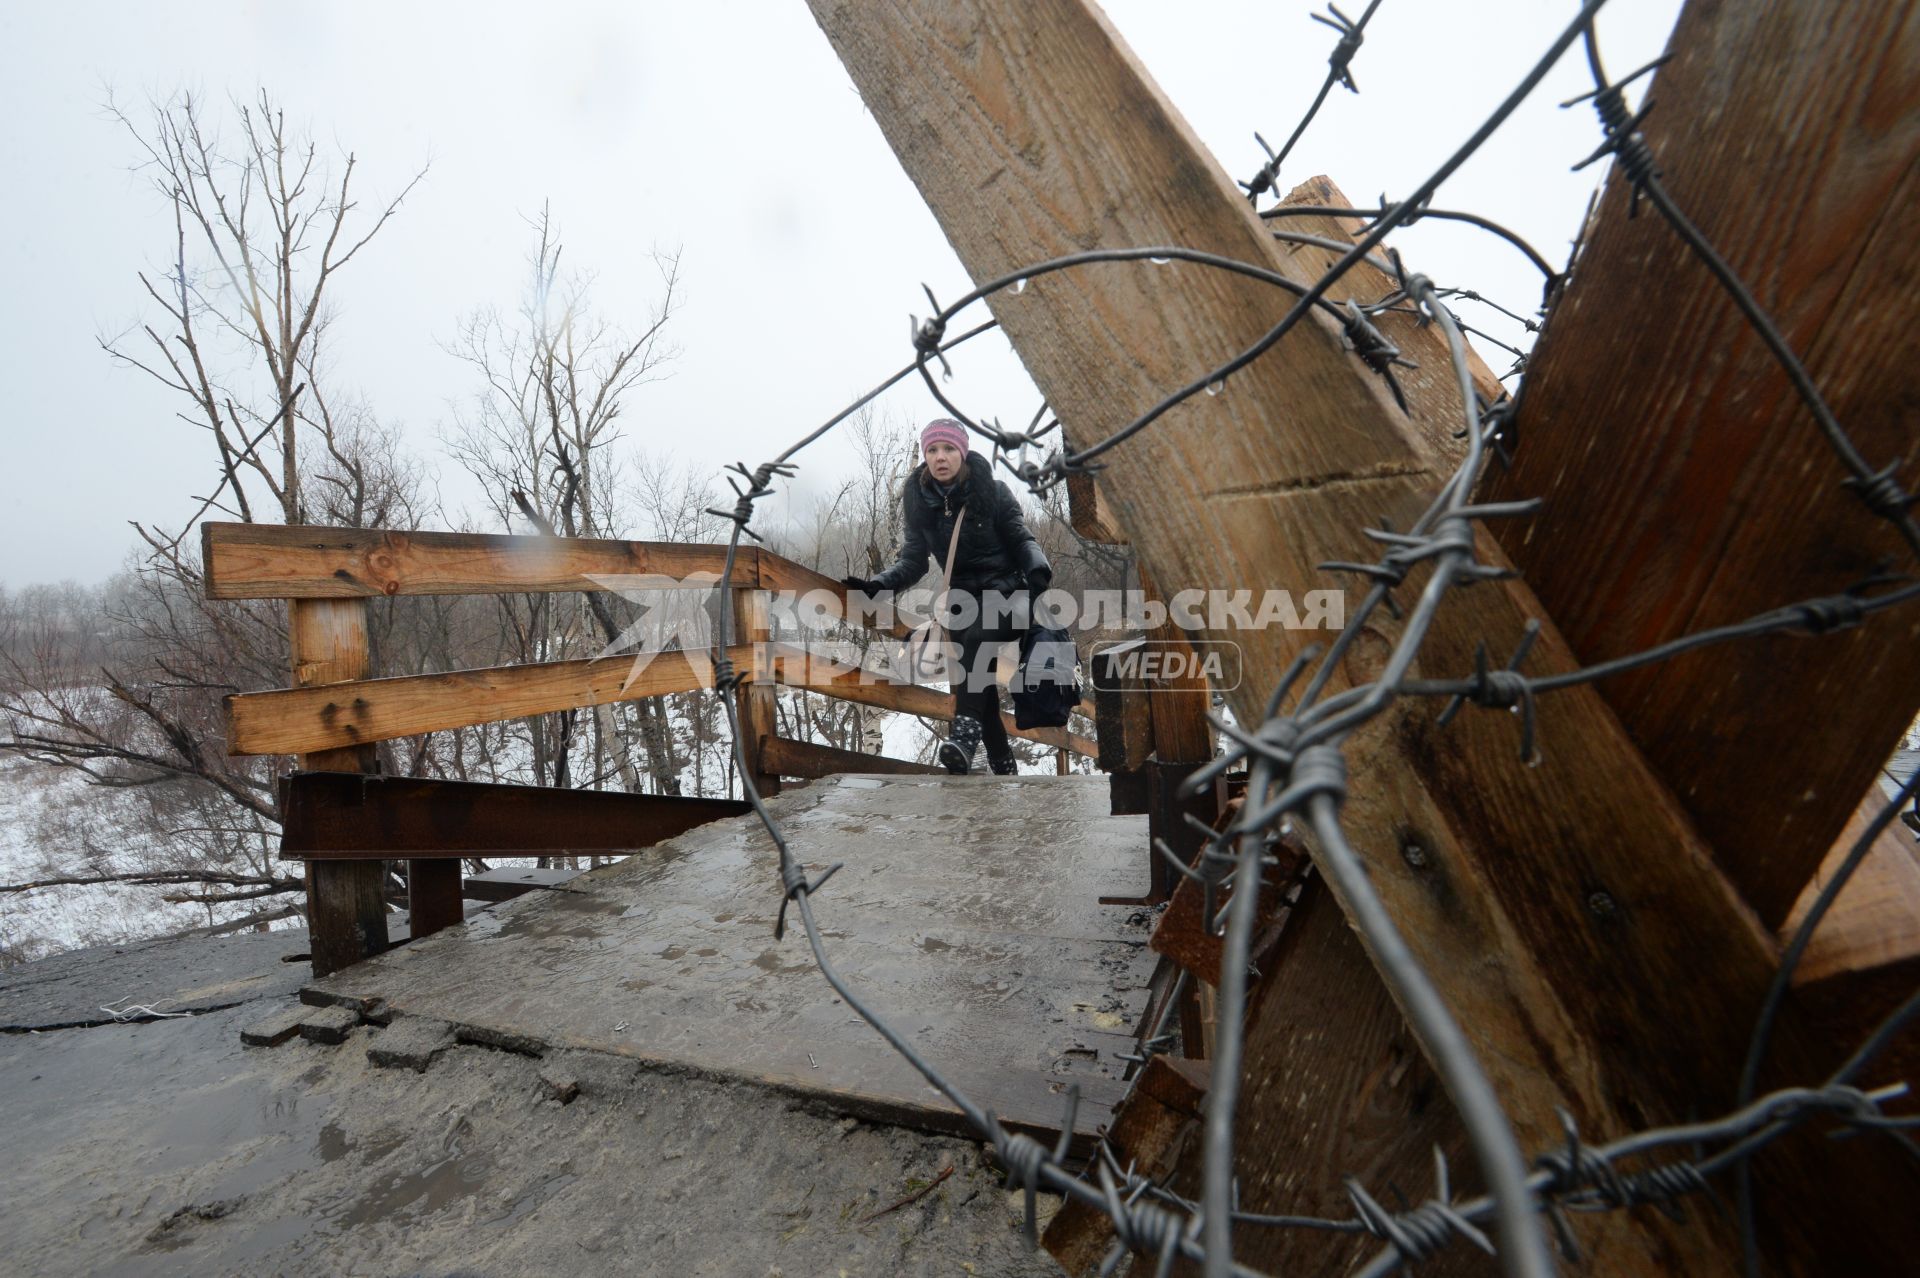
1719, 495
286, 721
808, 760
271, 561
344, 816
346, 904
293, 720
1185, 934
782, 574
796, 667
1570, 916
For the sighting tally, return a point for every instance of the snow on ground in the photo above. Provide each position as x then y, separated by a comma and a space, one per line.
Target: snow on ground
54, 824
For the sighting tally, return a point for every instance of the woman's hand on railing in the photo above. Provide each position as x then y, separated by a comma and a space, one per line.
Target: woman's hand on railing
865, 585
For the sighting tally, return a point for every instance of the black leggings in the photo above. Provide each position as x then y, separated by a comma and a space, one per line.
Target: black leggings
976, 691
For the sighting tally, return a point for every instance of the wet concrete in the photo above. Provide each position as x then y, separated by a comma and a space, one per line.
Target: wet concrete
966, 913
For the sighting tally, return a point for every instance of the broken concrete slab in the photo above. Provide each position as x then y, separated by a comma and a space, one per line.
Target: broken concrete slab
328, 1025
277, 1028
410, 1042
967, 913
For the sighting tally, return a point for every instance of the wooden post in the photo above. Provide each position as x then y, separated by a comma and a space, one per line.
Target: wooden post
756, 698
1569, 914
434, 899
1181, 733
1182, 744
346, 900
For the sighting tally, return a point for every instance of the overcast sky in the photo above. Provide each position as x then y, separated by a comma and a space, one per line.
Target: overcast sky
726, 132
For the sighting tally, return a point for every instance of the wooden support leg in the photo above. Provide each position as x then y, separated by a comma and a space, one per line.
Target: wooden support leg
433, 895
756, 704
346, 901
1167, 811
346, 912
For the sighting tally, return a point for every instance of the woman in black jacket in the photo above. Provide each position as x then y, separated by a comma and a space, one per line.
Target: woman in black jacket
997, 558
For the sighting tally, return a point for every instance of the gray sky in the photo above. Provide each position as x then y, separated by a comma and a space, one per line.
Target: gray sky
728, 132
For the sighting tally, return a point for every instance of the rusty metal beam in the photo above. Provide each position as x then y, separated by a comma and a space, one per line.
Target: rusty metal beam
343, 816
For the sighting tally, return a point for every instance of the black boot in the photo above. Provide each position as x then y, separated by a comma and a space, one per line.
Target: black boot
963, 740
1006, 767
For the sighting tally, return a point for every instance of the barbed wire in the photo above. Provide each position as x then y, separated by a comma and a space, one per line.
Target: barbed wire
1296, 767
1339, 71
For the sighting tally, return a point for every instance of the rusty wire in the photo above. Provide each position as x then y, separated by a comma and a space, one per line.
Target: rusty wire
1296, 769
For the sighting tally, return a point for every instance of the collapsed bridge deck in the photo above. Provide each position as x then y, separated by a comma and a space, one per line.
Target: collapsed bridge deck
967, 914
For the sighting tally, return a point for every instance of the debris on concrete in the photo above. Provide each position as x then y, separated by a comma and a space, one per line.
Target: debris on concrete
275, 1029
328, 1024
410, 1042
559, 1081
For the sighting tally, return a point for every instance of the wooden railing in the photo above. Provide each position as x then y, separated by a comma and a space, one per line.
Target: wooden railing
338, 709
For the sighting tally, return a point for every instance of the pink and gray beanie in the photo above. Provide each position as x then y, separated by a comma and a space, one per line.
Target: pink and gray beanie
943, 430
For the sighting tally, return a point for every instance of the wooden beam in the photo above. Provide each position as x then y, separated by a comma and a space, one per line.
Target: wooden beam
293, 720
781, 574
434, 899
1179, 706
807, 760
346, 904
1570, 916
286, 721
794, 666
1087, 515
271, 561
1864, 959
1719, 495
1875, 920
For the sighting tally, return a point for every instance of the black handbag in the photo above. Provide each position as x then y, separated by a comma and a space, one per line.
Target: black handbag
1046, 688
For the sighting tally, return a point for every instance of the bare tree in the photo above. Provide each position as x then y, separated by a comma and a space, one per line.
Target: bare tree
260, 230
539, 437
262, 225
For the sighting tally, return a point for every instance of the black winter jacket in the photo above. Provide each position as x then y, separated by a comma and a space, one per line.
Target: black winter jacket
996, 550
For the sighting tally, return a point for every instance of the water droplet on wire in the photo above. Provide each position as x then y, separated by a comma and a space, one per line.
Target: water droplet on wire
1159, 261
1020, 285
1216, 386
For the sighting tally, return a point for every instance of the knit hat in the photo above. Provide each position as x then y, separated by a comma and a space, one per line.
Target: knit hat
943, 430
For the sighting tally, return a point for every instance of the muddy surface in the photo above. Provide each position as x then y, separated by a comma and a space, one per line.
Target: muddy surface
167, 1148
111, 982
